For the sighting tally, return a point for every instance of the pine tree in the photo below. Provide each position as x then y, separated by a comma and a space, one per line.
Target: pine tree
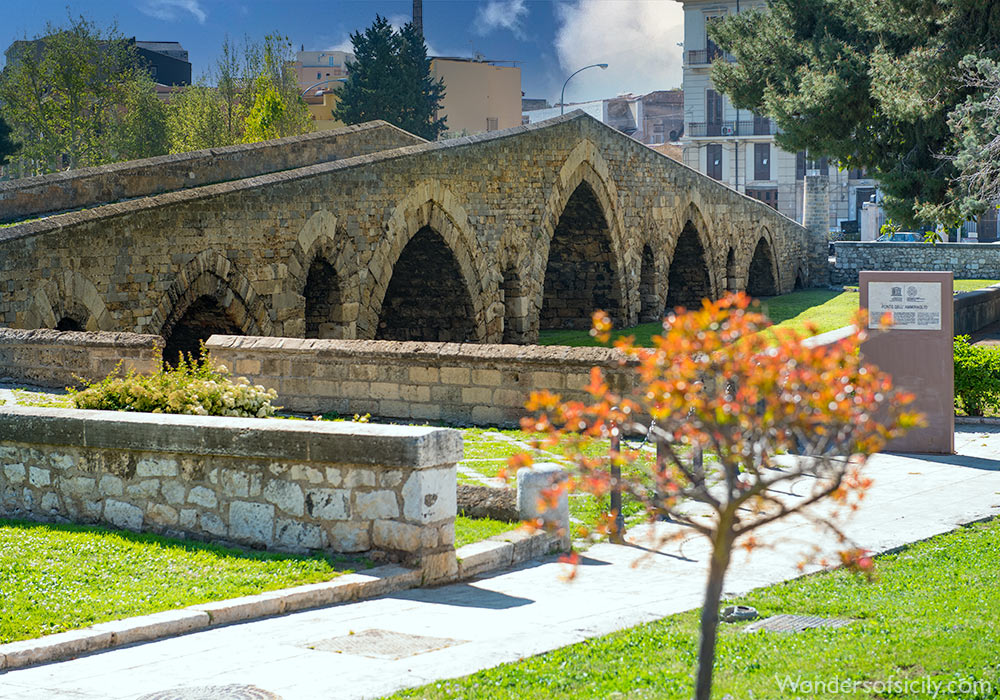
390, 79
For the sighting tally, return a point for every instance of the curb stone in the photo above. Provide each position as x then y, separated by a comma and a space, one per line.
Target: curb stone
474, 559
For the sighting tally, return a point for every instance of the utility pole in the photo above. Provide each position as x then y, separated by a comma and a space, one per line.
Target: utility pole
418, 16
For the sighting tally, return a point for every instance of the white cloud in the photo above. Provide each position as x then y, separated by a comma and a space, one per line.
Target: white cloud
636, 38
501, 14
171, 10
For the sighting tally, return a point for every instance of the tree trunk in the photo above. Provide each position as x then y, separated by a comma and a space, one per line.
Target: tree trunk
722, 547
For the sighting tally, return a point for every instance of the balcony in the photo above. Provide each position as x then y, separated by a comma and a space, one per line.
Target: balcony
704, 57
754, 127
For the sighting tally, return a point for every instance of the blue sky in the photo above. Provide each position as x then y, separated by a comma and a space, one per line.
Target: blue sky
550, 38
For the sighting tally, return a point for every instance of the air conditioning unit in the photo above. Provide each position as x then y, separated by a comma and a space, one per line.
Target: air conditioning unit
728, 131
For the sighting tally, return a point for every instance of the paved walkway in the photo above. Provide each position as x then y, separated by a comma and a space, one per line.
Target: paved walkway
518, 612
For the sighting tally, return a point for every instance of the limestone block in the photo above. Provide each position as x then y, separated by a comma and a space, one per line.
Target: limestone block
390, 479
111, 485
333, 476
156, 467
212, 524
173, 491
350, 536
203, 497
286, 495
15, 473
299, 536
39, 477
252, 522
439, 567
301, 472
480, 557
328, 504
147, 488
80, 487
455, 375
389, 534
375, 505
123, 515
50, 503
161, 514
531, 482
429, 495
359, 477
188, 518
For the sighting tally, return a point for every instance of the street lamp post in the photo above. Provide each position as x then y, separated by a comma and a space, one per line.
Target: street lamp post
562, 97
323, 82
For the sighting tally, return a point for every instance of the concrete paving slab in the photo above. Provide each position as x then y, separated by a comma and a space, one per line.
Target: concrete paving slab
524, 610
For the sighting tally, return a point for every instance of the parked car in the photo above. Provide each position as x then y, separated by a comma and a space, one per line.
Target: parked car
900, 237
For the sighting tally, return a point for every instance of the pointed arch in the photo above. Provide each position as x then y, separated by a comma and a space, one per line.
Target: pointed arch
691, 277
70, 299
325, 277
209, 295
585, 192
429, 222
762, 272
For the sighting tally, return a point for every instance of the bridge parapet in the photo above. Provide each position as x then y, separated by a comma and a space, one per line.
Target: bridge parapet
87, 187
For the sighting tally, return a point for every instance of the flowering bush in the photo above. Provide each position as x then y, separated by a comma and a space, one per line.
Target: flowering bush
195, 387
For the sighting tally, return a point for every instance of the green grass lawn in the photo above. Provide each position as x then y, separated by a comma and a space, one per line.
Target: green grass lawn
469, 530
60, 577
826, 308
932, 613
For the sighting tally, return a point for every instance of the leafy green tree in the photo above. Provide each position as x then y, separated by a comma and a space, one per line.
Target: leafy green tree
390, 79
265, 116
139, 129
65, 92
196, 120
275, 107
870, 83
7, 145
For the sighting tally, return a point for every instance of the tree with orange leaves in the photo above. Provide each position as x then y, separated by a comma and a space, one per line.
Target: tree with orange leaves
722, 395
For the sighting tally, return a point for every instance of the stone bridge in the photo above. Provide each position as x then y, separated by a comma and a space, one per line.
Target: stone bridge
372, 233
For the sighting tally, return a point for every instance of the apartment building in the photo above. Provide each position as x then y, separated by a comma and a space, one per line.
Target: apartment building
654, 118
738, 147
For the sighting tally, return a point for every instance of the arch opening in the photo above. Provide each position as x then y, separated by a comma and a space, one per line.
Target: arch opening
688, 282
580, 272
324, 313
202, 319
427, 297
799, 280
649, 307
68, 323
760, 277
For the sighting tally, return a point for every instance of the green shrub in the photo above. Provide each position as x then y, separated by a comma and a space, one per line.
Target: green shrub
195, 387
977, 377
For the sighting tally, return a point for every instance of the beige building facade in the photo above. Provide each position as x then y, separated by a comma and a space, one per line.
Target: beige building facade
737, 147
479, 96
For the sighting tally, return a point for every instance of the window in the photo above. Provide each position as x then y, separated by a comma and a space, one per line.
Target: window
713, 165
713, 107
319, 76
491, 123
767, 196
762, 161
711, 49
803, 164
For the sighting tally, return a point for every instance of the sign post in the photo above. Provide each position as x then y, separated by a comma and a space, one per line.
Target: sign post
917, 350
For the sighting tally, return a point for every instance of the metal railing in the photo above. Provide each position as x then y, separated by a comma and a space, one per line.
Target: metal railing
755, 127
703, 57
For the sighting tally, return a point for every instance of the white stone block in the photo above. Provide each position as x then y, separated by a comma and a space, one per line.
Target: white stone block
151, 466
375, 505
123, 515
286, 495
39, 477
531, 482
203, 497
15, 473
430, 495
328, 504
253, 522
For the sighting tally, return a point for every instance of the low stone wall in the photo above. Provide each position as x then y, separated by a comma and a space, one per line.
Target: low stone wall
458, 383
52, 358
31, 196
976, 309
293, 486
966, 260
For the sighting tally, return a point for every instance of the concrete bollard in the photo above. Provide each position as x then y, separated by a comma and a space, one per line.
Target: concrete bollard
531, 481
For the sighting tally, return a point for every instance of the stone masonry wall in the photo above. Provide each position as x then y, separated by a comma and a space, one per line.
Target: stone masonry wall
292, 486
31, 196
52, 358
966, 260
457, 383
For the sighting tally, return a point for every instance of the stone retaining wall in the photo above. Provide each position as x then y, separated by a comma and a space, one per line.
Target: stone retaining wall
52, 358
293, 486
976, 309
966, 260
459, 383
31, 196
